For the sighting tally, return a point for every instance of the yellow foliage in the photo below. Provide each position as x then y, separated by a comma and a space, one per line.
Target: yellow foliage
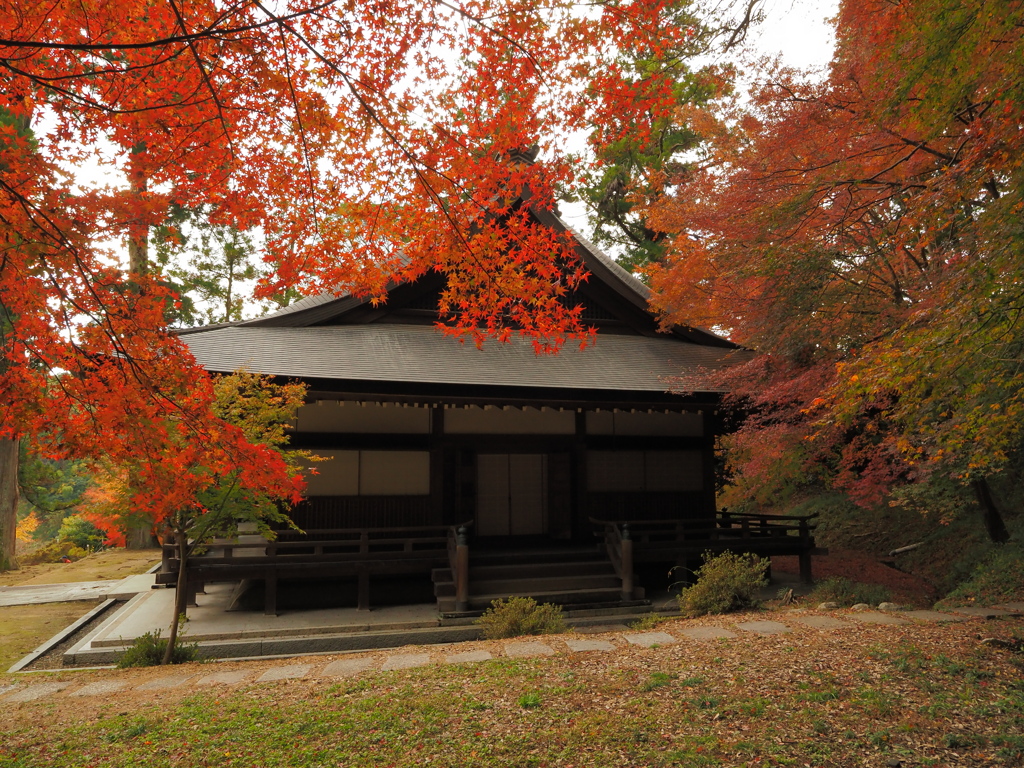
26, 527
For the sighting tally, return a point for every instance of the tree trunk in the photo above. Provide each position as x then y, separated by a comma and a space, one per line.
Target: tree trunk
138, 535
993, 519
8, 503
180, 596
138, 230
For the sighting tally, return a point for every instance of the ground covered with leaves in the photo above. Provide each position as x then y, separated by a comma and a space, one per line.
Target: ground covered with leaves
913, 695
110, 564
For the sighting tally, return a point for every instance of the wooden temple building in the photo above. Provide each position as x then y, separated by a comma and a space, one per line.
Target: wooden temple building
576, 478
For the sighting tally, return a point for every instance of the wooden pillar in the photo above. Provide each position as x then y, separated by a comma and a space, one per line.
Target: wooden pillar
270, 592
708, 465
805, 567
580, 513
462, 570
363, 599
438, 512
805, 553
627, 563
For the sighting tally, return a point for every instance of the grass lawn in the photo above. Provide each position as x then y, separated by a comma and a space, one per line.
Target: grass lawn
110, 564
911, 695
24, 627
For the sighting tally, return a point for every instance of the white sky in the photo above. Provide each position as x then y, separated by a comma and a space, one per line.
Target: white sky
798, 31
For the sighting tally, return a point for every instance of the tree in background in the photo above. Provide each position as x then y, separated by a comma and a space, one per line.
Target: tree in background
864, 233
640, 151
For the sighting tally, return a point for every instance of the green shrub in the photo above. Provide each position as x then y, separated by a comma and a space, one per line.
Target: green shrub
725, 582
81, 533
148, 651
999, 577
53, 552
521, 616
837, 589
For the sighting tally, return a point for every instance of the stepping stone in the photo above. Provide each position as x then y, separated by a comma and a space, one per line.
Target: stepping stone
289, 672
874, 617
764, 627
100, 687
347, 667
821, 622
580, 646
649, 639
1012, 607
934, 616
468, 657
982, 613
708, 633
233, 677
525, 649
6, 689
406, 661
33, 692
163, 683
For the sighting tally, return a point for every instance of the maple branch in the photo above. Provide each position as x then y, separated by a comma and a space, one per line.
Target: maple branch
500, 35
209, 31
302, 129
206, 79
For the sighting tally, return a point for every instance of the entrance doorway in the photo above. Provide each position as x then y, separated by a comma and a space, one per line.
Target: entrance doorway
512, 494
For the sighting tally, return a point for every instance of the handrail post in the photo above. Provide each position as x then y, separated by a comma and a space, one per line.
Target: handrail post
461, 569
627, 563
165, 558
805, 553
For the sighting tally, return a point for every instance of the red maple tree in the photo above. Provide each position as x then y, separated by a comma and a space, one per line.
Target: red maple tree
863, 232
370, 141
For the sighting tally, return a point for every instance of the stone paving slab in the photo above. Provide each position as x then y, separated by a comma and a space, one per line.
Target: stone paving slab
581, 646
934, 616
468, 657
164, 683
708, 633
821, 622
347, 667
7, 689
100, 688
528, 648
231, 677
648, 639
406, 661
764, 627
982, 613
33, 692
874, 617
36, 594
1013, 607
288, 672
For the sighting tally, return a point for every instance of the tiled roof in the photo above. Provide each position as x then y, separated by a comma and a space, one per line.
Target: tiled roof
422, 354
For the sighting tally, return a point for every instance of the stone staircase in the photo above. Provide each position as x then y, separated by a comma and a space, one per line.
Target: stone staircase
571, 577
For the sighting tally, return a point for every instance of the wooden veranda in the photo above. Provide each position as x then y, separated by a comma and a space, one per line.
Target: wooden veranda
462, 582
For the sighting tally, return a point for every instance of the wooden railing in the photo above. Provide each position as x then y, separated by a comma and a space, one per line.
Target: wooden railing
323, 545
618, 543
316, 553
665, 540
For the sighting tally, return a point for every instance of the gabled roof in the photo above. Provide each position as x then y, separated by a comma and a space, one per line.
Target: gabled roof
424, 355
610, 285
343, 339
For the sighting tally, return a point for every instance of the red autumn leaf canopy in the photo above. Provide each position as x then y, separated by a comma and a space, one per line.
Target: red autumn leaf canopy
370, 141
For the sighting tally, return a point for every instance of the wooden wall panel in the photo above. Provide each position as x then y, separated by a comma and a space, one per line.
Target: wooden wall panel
363, 512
